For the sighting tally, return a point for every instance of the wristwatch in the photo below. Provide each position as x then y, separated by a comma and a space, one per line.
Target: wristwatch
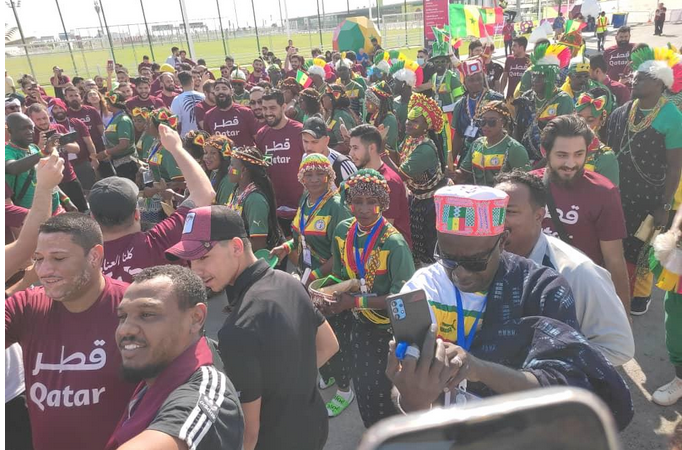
667, 207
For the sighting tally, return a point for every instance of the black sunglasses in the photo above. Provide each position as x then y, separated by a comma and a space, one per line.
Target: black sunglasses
480, 123
472, 265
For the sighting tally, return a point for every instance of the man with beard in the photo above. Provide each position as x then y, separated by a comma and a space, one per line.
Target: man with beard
84, 165
281, 139
41, 119
174, 58
366, 147
113, 204
168, 90
122, 77
237, 122
295, 62
70, 316
258, 73
32, 93
184, 104
182, 400
143, 99
597, 228
256, 104
272, 323
618, 56
206, 104
21, 156
602, 317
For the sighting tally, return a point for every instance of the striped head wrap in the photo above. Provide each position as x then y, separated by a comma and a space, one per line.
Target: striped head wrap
423, 106
316, 161
368, 183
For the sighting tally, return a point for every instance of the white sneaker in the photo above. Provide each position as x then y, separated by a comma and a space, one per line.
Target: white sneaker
668, 394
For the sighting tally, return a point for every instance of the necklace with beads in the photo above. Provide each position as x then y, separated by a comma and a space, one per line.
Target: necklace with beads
646, 121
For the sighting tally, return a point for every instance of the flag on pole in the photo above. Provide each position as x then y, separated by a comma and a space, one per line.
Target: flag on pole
303, 79
465, 20
455, 43
492, 17
469, 20
574, 25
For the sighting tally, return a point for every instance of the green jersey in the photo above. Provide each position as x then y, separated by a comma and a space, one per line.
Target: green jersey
223, 190
389, 267
448, 89
163, 165
486, 162
319, 228
400, 111
144, 145
604, 162
334, 125
17, 182
120, 127
356, 95
241, 99
254, 209
391, 123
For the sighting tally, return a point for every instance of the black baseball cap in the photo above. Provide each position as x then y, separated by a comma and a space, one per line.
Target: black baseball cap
316, 127
113, 197
204, 228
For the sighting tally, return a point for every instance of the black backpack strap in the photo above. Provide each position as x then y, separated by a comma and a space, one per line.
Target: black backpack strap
24, 188
558, 225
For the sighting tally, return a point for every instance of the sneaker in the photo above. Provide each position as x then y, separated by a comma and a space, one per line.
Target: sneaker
338, 404
326, 384
668, 394
639, 305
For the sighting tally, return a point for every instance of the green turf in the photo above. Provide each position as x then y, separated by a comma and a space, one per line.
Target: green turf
244, 49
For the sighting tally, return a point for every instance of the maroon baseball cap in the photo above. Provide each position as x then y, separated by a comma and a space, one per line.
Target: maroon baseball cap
204, 228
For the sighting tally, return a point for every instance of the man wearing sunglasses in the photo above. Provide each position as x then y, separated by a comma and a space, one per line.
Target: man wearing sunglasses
477, 289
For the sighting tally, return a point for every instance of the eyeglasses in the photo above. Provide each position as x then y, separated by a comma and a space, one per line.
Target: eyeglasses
486, 122
255, 102
471, 265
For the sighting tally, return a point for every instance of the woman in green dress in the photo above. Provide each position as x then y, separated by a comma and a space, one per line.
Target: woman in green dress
320, 210
217, 152
367, 248
379, 107
594, 107
337, 112
254, 197
494, 152
119, 140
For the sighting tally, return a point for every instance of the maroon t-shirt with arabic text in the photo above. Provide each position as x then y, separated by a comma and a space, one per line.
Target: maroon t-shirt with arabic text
150, 102
128, 255
285, 147
237, 122
92, 119
74, 391
585, 220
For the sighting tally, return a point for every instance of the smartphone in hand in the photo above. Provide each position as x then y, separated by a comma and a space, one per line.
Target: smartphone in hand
410, 316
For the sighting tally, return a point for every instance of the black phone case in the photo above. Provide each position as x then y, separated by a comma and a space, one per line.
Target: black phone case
410, 316
68, 138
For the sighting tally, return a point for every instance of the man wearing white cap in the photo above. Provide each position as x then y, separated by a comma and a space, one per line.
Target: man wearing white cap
487, 301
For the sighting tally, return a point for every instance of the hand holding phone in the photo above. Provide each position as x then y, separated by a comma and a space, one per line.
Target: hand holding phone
410, 316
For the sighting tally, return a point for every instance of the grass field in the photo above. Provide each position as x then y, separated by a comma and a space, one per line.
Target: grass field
244, 49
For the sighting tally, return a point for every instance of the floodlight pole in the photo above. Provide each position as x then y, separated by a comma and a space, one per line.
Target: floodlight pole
222, 30
319, 23
255, 25
286, 17
106, 26
149, 35
188, 36
66, 36
23, 40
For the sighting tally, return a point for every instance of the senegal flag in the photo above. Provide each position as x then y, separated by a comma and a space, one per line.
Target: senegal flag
574, 25
469, 20
303, 79
465, 20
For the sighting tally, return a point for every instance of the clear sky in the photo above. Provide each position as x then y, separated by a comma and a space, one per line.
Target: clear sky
40, 17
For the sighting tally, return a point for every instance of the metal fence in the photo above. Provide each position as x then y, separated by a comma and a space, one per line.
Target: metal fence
86, 51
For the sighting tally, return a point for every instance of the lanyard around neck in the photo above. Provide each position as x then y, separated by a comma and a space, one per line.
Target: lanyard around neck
463, 340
